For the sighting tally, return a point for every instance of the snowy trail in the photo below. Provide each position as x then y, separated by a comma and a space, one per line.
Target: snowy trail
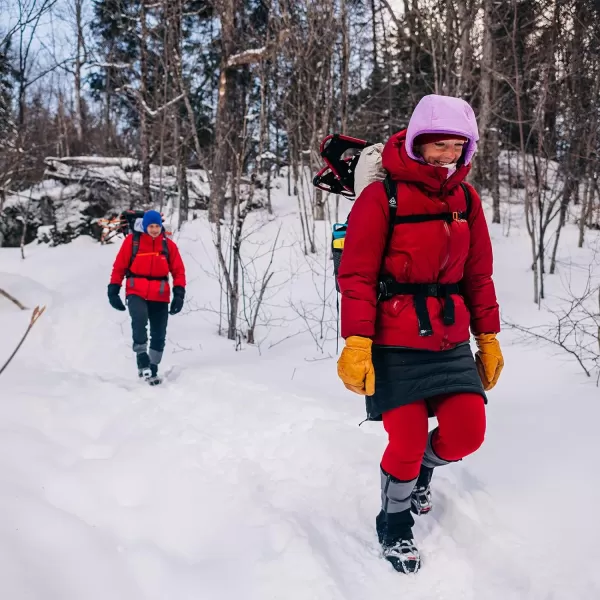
247, 477
145, 481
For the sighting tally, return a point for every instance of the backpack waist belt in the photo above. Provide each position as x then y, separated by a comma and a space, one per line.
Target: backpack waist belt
387, 288
148, 277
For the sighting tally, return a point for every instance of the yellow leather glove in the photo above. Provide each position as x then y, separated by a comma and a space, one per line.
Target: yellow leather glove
489, 359
355, 367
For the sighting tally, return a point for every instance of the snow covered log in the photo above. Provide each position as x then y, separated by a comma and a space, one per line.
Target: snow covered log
123, 176
77, 191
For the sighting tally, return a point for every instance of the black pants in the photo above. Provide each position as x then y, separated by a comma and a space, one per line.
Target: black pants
157, 313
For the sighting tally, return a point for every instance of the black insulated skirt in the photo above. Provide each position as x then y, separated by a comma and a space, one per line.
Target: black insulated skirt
404, 375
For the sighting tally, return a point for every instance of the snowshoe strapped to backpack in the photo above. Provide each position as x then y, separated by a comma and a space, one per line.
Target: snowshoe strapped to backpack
337, 177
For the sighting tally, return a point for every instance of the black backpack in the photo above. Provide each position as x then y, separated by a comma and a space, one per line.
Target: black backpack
339, 229
128, 218
338, 177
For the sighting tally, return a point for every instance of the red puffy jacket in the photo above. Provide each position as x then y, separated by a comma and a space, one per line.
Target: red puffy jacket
150, 261
427, 252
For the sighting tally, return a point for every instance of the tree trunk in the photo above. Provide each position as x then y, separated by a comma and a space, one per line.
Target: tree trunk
223, 124
484, 164
345, 66
144, 125
108, 141
494, 167
216, 210
184, 198
465, 23
79, 124
319, 208
181, 158
564, 205
374, 34
585, 209
529, 206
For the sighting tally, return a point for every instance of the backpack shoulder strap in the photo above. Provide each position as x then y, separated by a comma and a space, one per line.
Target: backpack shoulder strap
135, 246
165, 247
391, 191
468, 198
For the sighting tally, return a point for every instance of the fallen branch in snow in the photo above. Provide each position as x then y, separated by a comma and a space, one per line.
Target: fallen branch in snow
12, 299
179, 348
37, 313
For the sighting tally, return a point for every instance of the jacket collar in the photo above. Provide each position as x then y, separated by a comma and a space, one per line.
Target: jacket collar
401, 167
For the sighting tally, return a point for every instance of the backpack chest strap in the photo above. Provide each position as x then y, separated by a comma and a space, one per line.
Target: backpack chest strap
448, 217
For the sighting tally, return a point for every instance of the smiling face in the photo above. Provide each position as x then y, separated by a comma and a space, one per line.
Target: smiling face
154, 230
442, 153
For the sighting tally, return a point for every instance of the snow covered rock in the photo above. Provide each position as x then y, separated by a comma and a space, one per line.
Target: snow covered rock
77, 191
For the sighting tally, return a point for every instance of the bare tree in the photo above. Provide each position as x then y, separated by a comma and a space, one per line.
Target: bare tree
142, 99
232, 60
575, 327
242, 198
487, 163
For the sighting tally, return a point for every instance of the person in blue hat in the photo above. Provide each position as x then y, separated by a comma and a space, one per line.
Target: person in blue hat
145, 261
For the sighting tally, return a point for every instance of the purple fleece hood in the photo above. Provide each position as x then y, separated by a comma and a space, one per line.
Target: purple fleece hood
443, 114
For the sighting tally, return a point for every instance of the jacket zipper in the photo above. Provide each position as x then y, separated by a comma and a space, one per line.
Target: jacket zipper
447, 257
447, 230
153, 256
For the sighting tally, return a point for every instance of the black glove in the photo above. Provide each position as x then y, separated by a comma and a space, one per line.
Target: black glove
113, 296
177, 302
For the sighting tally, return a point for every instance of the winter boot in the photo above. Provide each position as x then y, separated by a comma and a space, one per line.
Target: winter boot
143, 364
154, 379
394, 531
394, 524
420, 501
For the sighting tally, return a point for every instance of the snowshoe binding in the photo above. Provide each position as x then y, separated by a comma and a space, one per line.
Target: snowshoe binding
143, 365
420, 500
403, 556
154, 379
397, 543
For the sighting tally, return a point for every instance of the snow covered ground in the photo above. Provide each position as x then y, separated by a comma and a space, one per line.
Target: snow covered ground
246, 474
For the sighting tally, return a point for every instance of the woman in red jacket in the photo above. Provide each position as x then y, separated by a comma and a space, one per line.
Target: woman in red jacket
408, 303
147, 289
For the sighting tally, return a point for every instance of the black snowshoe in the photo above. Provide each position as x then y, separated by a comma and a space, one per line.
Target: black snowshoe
395, 536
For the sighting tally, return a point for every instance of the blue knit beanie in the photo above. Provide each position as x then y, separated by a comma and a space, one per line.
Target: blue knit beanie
152, 217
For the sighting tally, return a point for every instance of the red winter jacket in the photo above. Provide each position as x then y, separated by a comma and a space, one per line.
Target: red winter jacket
150, 262
428, 252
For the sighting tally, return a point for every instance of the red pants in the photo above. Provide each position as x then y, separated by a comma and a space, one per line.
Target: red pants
460, 432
